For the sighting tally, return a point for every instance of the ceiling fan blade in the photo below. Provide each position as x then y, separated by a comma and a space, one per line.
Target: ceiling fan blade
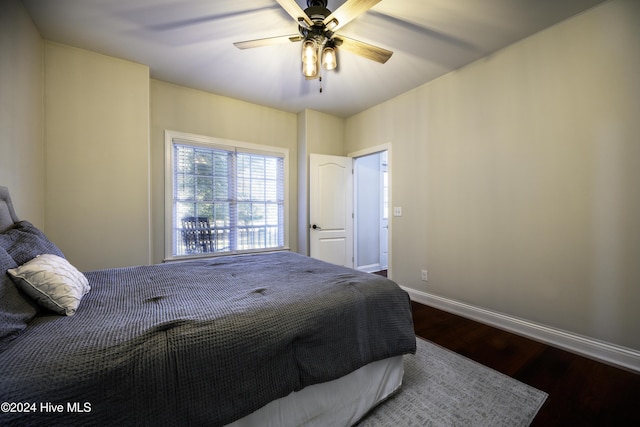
296, 12
365, 50
248, 44
347, 12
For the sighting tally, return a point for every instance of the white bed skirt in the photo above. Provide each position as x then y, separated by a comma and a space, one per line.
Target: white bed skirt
341, 402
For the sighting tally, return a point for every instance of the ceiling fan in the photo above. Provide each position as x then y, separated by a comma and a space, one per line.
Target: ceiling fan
317, 28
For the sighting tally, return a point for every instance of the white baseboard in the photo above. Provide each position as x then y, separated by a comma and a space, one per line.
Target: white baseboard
602, 351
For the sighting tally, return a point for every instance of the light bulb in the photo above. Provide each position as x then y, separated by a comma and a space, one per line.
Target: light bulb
309, 52
329, 59
310, 70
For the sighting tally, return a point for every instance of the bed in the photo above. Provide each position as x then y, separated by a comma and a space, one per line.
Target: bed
264, 339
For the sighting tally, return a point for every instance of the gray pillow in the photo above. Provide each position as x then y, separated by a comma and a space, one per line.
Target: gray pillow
16, 310
24, 242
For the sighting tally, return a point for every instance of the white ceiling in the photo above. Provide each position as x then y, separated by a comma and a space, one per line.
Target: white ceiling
190, 43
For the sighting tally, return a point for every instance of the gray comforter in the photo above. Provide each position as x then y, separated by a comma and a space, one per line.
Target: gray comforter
200, 342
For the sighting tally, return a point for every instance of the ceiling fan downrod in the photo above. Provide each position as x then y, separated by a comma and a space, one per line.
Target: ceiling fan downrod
317, 12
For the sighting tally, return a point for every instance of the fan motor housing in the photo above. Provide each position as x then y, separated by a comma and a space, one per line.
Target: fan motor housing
317, 12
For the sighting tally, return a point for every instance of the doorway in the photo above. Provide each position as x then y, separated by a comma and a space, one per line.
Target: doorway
371, 211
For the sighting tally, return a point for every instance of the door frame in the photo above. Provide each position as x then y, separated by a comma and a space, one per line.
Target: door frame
366, 152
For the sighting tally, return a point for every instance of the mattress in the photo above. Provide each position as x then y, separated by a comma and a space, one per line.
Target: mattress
341, 402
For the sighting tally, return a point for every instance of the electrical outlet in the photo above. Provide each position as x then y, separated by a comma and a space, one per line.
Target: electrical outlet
423, 275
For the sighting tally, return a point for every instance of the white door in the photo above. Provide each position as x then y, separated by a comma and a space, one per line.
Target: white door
331, 209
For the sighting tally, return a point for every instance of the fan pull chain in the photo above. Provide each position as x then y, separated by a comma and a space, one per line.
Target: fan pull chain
320, 79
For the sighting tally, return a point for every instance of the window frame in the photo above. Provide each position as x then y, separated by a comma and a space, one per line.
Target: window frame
225, 144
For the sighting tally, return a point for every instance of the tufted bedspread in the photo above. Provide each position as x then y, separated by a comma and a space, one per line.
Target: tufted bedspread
201, 342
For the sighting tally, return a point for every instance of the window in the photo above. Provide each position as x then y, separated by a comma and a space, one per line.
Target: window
223, 196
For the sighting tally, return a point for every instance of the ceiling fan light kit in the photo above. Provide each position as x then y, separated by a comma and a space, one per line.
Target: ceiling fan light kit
317, 26
316, 50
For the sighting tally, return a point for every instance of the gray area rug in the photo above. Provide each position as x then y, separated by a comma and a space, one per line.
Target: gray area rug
442, 388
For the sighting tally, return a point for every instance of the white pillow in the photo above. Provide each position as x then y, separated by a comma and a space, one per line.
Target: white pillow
52, 282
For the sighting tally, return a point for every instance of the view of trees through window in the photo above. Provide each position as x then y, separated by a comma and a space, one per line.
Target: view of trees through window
226, 200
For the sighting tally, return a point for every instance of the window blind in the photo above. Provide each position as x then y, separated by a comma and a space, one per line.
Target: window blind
226, 199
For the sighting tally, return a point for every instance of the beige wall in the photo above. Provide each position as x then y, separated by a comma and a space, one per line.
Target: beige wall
21, 112
182, 109
519, 177
97, 157
324, 133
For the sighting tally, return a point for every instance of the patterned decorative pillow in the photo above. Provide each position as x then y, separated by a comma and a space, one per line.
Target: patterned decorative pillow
52, 282
24, 242
16, 310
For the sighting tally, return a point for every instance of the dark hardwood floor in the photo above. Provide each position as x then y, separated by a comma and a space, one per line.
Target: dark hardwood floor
582, 392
